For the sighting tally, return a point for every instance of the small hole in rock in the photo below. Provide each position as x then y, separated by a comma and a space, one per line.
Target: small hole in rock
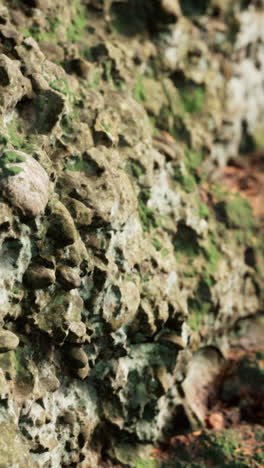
4, 78
81, 440
249, 256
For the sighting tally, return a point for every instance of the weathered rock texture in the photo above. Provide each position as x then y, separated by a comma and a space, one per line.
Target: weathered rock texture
120, 256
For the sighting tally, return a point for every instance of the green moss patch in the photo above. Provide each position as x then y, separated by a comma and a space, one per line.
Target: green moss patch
147, 216
135, 168
157, 244
211, 252
196, 313
201, 303
193, 99
185, 179
9, 157
78, 24
138, 91
235, 212
148, 464
186, 173
39, 35
62, 86
193, 160
216, 449
211, 448
85, 164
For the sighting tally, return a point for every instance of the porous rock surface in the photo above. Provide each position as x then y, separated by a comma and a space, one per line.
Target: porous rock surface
119, 256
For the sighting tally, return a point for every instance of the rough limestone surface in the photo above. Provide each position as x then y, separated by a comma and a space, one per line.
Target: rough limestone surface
124, 267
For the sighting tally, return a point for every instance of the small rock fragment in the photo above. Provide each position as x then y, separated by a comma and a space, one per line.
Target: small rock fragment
38, 276
41, 419
69, 417
83, 372
57, 316
77, 357
62, 228
50, 383
8, 341
77, 332
81, 213
52, 51
27, 190
68, 277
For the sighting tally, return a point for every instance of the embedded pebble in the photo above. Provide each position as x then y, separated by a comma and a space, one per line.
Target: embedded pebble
68, 277
8, 341
27, 190
77, 357
38, 277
